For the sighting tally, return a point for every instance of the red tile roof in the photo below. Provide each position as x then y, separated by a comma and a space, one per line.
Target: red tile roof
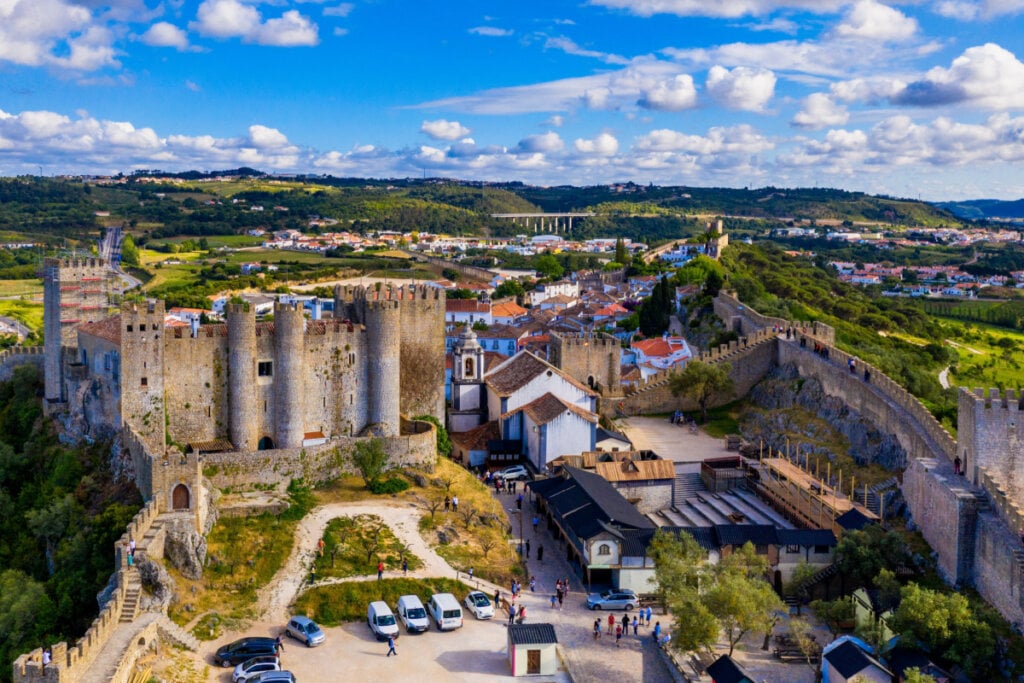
546, 408
108, 329
466, 306
518, 371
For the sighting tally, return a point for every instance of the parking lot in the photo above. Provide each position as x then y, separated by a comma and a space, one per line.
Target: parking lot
476, 652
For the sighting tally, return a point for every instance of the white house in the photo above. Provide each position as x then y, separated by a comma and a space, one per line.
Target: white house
467, 312
549, 412
550, 289
662, 352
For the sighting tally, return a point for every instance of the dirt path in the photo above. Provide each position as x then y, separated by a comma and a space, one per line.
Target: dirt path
965, 348
293, 578
944, 378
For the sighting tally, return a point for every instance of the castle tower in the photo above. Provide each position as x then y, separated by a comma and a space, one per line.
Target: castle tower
242, 424
594, 360
469, 405
289, 375
383, 349
990, 435
74, 291
142, 371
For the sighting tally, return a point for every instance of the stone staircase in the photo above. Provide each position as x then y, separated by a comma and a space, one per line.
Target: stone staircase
175, 634
132, 592
687, 486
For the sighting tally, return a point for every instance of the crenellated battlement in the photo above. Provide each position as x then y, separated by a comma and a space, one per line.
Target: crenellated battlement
994, 399
81, 262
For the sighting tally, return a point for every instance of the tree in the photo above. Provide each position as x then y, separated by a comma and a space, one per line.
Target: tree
741, 604
129, 252
700, 381
49, 525
678, 561
369, 539
27, 614
548, 266
861, 555
370, 459
468, 514
914, 675
620, 252
836, 614
797, 585
656, 310
509, 288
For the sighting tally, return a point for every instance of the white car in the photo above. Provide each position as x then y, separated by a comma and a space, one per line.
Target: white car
480, 605
252, 667
514, 472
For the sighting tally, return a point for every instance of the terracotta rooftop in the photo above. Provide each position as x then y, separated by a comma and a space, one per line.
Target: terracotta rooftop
519, 370
508, 309
476, 439
108, 329
466, 306
548, 407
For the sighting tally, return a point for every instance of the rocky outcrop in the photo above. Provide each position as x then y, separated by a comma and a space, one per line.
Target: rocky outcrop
158, 586
782, 390
185, 549
96, 418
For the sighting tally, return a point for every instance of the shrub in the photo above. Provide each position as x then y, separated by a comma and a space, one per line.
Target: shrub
389, 485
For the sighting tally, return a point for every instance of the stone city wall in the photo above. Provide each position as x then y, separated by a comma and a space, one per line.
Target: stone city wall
945, 513
17, 356
743, 320
999, 566
316, 463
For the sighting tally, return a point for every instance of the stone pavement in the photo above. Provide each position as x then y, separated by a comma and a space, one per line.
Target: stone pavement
670, 441
636, 658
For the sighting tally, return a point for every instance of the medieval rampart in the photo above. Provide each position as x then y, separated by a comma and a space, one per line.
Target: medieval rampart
742, 319
19, 355
472, 272
416, 446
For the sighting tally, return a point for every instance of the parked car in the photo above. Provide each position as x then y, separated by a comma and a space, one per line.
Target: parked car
445, 610
513, 472
236, 652
613, 599
412, 613
479, 605
381, 620
248, 669
306, 630
274, 677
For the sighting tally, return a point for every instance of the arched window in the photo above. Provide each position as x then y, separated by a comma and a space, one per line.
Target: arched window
604, 549
469, 367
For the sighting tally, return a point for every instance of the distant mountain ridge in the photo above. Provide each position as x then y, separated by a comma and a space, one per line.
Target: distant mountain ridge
980, 209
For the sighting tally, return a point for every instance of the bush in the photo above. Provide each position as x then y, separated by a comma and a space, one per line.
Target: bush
331, 605
389, 485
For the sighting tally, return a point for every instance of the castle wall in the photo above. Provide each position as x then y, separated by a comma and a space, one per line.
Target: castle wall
750, 362
946, 514
745, 320
142, 371
990, 430
318, 463
20, 355
195, 384
382, 366
241, 370
999, 567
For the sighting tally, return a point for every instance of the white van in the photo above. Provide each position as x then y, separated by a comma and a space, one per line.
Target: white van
381, 620
446, 611
412, 613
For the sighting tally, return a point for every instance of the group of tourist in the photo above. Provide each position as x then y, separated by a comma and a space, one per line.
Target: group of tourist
621, 628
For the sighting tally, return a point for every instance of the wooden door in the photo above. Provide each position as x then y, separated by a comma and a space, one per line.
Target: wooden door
533, 661
180, 497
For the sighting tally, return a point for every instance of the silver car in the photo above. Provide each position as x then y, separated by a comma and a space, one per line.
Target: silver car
248, 669
479, 605
306, 630
613, 599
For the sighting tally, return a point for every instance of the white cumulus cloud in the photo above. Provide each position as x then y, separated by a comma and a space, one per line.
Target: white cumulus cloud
674, 94
871, 20
54, 33
234, 19
604, 145
717, 8
443, 129
820, 111
165, 34
743, 88
545, 143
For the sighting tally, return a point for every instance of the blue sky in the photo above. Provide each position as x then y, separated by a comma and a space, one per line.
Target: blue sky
919, 98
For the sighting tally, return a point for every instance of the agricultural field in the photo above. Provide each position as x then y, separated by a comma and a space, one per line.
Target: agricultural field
33, 289
987, 356
29, 313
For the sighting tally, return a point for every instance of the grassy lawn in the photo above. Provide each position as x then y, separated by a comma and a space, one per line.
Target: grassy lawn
29, 288
341, 602
179, 274
723, 420
999, 361
354, 545
243, 555
27, 312
147, 257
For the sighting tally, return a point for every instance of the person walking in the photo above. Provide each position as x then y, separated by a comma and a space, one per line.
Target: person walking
522, 613
312, 574
636, 626
527, 548
511, 613
455, 503
540, 553
470, 572
391, 646
497, 598
380, 570
320, 547
279, 645
533, 584
561, 598
611, 624
554, 599
657, 631
535, 523
405, 566
648, 615
618, 634
447, 503
597, 628
519, 502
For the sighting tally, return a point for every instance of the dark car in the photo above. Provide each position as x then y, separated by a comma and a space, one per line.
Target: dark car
240, 650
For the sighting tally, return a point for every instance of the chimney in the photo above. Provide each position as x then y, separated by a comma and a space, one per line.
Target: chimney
193, 323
